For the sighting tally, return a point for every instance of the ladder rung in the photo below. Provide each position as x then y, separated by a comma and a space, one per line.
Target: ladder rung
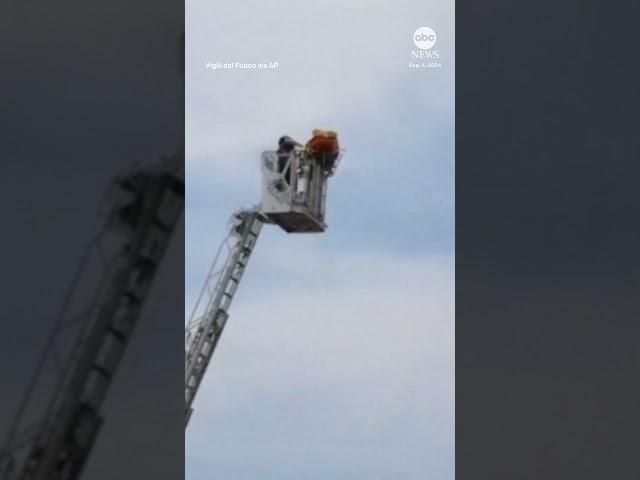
117, 334
102, 371
161, 225
132, 297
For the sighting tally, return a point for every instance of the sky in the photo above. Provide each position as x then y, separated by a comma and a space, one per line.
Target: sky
338, 358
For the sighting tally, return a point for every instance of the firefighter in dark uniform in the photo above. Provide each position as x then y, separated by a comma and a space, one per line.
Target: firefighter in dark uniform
286, 145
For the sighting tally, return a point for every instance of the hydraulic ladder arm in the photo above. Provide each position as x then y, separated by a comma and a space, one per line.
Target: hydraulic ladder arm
293, 198
211, 311
90, 336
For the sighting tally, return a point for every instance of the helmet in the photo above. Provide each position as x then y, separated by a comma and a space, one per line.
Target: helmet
286, 139
324, 133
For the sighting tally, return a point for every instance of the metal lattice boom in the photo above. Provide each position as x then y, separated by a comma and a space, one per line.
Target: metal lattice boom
211, 311
91, 334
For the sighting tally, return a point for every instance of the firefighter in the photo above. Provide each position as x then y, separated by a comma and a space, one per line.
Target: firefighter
286, 145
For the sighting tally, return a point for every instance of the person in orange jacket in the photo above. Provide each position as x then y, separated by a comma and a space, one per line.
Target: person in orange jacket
324, 147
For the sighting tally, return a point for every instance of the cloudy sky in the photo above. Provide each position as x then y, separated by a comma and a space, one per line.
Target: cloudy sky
338, 360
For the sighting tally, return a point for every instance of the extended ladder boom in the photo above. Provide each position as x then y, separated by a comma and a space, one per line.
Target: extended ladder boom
210, 314
294, 189
91, 335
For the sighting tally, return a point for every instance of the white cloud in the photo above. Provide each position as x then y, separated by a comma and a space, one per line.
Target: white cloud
377, 344
340, 68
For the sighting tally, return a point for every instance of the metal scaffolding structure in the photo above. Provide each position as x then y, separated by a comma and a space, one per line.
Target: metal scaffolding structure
59, 417
293, 198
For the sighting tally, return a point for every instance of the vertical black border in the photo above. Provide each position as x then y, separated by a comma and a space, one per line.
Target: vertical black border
547, 240
87, 91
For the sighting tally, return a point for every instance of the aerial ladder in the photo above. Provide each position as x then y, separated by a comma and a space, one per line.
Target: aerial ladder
60, 415
294, 192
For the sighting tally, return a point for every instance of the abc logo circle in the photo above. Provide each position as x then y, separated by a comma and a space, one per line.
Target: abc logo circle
424, 38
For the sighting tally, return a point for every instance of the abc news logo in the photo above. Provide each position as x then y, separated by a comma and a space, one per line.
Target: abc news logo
425, 38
